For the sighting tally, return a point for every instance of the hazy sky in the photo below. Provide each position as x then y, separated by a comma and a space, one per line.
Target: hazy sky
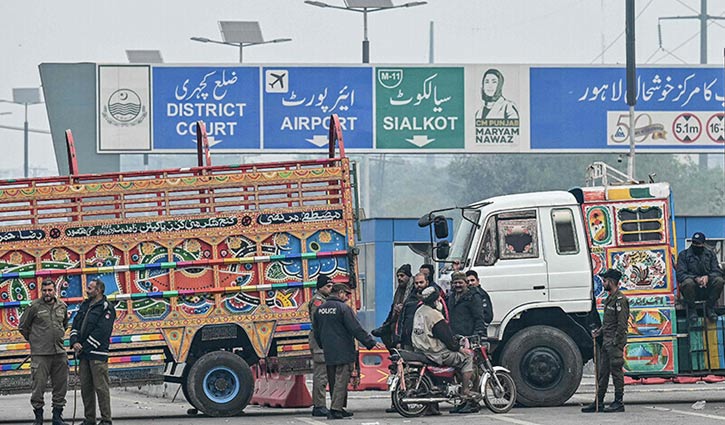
466, 31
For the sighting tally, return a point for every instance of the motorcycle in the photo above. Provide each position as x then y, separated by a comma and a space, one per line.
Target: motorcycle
415, 382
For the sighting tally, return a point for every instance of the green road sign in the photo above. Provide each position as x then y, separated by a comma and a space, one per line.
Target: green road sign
419, 108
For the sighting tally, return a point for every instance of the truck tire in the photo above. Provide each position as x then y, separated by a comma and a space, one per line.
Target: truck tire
546, 365
220, 383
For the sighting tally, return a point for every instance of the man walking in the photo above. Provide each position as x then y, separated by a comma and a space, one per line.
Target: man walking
90, 337
336, 327
699, 276
319, 372
43, 325
614, 337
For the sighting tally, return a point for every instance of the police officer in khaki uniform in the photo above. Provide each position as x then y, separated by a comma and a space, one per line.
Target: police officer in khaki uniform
614, 337
43, 325
319, 370
90, 338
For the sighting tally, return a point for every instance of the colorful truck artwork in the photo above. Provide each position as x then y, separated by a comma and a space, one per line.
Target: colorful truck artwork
210, 268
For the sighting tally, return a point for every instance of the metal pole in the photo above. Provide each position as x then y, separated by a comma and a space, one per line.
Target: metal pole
703, 60
241, 52
631, 82
366, 42
25, 143
431, 56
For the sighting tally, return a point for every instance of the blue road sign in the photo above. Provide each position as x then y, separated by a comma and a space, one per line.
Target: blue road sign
585, 108
298, 102
225, 98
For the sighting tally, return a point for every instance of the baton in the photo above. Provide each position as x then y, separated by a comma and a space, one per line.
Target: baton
23, 362
596, 374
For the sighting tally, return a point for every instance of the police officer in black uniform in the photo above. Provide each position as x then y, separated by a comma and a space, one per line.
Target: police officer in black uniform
336, 327
613, 336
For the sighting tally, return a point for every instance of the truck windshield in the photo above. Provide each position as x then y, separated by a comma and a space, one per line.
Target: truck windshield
464, 234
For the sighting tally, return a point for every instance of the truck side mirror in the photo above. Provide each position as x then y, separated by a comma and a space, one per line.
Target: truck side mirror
426, 220
440, 224
442, 250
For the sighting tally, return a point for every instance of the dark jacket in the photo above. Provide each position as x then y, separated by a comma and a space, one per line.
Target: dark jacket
466, 314
43, 325
691, 265
616, 320
336, 328
317, 300
404, 325
486, 305
92, 328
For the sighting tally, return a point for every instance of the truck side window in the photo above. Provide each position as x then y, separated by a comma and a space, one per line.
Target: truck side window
518, 237
564, 234
488, 254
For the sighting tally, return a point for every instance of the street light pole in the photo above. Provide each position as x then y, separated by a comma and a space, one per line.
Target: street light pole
366, 42
25, 143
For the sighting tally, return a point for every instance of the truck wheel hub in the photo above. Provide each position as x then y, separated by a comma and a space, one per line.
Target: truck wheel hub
542, 368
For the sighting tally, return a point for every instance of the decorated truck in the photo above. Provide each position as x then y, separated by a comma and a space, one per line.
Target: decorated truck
209, 268
539, 255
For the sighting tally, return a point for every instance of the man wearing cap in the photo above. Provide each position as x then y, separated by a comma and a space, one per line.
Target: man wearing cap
613, 337
465, 308
319, 370
433, 337
403, 289
336, 327
699, 276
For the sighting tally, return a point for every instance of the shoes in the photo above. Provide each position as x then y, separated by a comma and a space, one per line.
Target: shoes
346, 414
335, 414
432, 411
591, 408
469, 407
102, 422
58, 416
391, 410
320, 411
38, 416
87, 422
616, 406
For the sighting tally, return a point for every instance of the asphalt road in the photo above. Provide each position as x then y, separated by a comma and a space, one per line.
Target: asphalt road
653, 404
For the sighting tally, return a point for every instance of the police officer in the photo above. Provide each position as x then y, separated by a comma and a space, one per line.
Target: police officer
614, 337
336, 327
43, 325
90, 338
699, 276
319, 372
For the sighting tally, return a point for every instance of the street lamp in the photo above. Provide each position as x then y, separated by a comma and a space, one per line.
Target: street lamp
240, 34
365, 7
25, 96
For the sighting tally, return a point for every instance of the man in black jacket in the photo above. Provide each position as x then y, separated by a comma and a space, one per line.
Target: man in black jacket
90, 338
474, 284
336, 328
699, 276
464, 308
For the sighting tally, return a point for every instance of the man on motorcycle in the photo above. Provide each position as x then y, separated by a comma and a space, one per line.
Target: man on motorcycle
432, 336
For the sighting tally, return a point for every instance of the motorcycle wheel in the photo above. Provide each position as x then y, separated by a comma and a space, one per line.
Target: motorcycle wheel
411, 410
500, 399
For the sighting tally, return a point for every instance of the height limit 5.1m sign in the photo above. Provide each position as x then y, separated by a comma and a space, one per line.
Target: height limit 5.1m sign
419, 108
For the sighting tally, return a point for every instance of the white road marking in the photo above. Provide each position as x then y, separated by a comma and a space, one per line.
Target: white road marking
509, 419
311, 421
684, 412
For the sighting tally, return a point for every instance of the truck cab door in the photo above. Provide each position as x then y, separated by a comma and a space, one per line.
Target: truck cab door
510, 262
567, 255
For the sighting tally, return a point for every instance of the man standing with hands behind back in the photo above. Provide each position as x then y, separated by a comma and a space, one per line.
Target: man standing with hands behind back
614, 337
43, 325
90, 338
